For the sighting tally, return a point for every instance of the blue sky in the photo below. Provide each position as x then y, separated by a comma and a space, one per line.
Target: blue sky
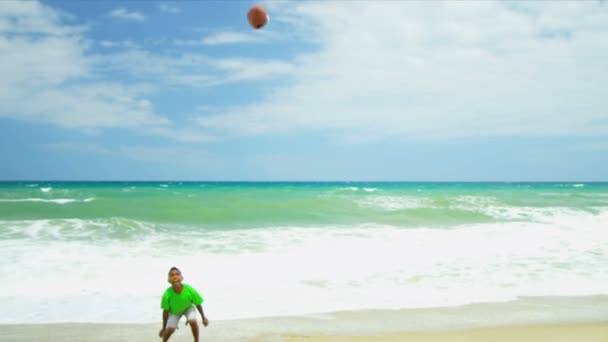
332, 90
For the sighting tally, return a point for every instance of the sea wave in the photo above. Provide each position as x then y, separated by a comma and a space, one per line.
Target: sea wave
382, 266
522, 213
94, 230
49, 200
394, 203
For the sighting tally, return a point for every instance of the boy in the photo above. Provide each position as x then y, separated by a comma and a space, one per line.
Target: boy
179, 300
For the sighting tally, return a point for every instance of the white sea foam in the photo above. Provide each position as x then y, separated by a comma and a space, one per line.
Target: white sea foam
501, 211
491, 207
99, 230
48, 189
476, 201
394, 203
118, 266
354, 188
569, 185
48, 200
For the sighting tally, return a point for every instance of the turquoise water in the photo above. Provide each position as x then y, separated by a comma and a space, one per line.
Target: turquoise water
102, 249
238, 205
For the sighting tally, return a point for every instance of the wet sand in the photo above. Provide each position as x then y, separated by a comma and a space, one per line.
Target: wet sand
527, 319
589, 332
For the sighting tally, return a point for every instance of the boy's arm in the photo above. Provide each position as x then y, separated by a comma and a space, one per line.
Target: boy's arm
165, 318
200, 309
164, 304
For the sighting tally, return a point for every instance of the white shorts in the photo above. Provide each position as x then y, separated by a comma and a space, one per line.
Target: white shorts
174, 319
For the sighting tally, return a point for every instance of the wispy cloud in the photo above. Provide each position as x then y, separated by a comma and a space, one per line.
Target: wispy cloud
229, 37
80, 148
123, 13
49, 75
31, 17
167, 8
191, 70
168, 155
251, 69
119, 44
437, 70
174, 155
418, 70
186, 135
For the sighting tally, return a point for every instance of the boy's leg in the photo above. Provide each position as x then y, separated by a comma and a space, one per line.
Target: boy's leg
168, 333
172, 323
192, 317
194, 326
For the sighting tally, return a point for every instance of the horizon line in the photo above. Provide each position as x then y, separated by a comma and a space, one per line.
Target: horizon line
293, 181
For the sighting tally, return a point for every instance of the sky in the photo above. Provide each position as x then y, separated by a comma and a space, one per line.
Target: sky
326, 91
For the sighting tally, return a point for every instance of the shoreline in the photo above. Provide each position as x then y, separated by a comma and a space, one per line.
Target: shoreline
527, 319
553, 332
574, 332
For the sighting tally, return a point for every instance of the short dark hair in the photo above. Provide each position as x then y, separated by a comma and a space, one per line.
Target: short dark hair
174, 269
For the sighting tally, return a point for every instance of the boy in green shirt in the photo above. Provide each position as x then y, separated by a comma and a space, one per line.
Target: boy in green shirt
179, 300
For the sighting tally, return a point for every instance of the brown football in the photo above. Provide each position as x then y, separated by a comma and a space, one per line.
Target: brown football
257, 17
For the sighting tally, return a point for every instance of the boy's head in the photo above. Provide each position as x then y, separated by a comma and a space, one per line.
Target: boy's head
175, 276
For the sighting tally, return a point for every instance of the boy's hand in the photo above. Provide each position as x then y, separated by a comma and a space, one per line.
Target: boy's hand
205, 321
161, 332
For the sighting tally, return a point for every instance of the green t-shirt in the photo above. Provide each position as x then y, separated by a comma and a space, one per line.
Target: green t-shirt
178, 303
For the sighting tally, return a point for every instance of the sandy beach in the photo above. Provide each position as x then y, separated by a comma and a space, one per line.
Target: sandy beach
589, 332
527, 319
539, 333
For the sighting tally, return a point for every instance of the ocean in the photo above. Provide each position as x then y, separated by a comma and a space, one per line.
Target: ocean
100, 251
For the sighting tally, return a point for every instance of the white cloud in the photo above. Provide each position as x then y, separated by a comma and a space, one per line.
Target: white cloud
250, 69
169, 8
168, 155
119, 44
88, 106
183, 156
29, 17
38, 62
186, 135
191, 70
123, 13
425, 70
48, 76
230, 37
162, 70
432, 70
